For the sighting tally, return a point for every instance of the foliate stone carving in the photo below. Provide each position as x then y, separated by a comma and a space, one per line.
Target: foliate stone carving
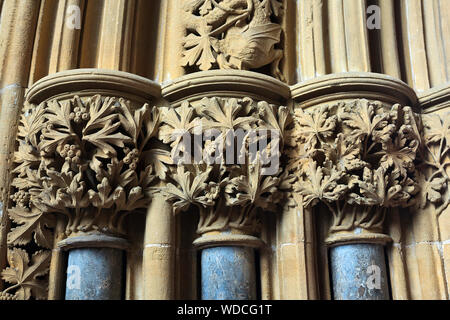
435, 162
228, 195
233, 34
23, 275
358, 158
90, 159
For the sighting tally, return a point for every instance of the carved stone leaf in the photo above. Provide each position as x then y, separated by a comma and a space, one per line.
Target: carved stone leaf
321, 184
30, 123
437, 130
60, 128
30, 180
66, 189
398, 155
23, 275
159, 159
30, 222
345, 153
315, 125
223, 114
362, 118
176, 121
275, 118
372, 188
100, 111
103, 197
26, 157
151, 123
432, 191
106, 137
77, 192
132, 123
143, 122
189, 189
198, 48
136, 199
252, 188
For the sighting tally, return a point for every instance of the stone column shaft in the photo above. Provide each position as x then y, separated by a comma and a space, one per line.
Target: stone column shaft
228, 273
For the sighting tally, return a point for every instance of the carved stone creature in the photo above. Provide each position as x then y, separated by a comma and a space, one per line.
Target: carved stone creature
241, 32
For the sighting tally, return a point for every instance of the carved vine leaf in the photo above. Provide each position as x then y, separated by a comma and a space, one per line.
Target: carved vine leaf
437, 132
175, 122
434, 179
106, 137
321, 184
26, 157
24, 276
437, 129
226, 114
315, 125
198, 48
372, 188
276, 118
345, 153
431, 190
252, 188
158, 159
189, 189
30, 222
58, 128
30, 124
362, 117
398, 155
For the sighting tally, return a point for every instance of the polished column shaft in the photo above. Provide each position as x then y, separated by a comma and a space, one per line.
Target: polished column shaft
228, 273
358, 272
94, 274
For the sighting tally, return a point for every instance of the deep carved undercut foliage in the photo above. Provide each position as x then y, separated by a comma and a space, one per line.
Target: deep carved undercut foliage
358, 158
435, 163
90, 159
227, 196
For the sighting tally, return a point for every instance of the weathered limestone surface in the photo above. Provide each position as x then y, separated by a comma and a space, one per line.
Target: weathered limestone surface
88, 142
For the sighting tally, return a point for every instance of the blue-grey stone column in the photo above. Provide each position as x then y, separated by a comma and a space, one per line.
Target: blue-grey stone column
358, 272
228, 266
95, 267
94, 274
228, 273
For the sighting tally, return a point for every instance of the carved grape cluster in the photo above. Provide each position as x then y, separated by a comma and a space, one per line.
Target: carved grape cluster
21, 198
5, 296
79, 114
70, 152
131, 157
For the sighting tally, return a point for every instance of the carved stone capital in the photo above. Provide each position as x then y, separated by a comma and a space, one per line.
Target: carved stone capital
356, 156
86, 151
229, 191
